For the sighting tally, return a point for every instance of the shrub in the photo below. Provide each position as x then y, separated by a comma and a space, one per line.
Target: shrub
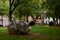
51, 23
32, 23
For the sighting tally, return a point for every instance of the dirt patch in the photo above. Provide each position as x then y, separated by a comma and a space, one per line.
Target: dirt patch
31, 35
34, 35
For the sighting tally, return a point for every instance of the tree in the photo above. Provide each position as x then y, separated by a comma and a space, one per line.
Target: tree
28, 7
53, 7
13, 5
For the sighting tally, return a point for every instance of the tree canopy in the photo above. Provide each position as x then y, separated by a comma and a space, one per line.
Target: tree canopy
50, 5
4, 7
28, 7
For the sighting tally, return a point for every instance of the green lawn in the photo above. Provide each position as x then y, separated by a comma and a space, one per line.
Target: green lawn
43, 33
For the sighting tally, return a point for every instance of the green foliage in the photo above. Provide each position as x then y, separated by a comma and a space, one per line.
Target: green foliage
51, 6
57, 11
28, 7
4, 7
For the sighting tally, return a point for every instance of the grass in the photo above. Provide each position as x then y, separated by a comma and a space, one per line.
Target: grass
46, 33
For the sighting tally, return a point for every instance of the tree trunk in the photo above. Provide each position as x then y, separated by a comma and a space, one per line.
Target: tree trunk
1, 20
24, 18
42, 19
19, 16
57, 21
10, 12
27, 18
10, 16
54, 21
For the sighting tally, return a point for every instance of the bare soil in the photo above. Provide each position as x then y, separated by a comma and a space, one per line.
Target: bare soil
33, 35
